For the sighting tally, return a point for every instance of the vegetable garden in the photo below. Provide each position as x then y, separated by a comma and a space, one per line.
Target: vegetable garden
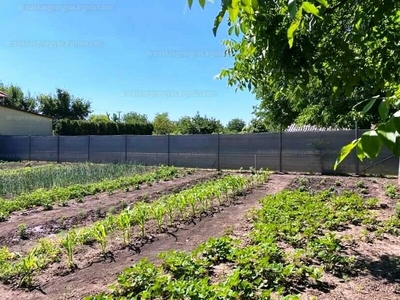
133, 232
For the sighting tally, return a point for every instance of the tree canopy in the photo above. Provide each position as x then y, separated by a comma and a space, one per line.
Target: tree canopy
336, 52
63, 105
235, 125
163, 125
198, 125
135, 118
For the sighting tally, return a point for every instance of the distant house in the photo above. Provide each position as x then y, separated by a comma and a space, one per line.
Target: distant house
14, 121
3, 97
311, 128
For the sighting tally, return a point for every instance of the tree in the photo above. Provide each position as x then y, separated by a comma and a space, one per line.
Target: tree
199, 125
162, 124
99, 118
63, 106
346, 45
256, 125
235, 125
16, 98
135, 118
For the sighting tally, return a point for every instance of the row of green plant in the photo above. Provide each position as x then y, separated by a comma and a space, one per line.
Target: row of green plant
47, 198
260, 269
16, 182
165, 211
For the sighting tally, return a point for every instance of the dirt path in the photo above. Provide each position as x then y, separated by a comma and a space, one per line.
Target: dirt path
41, 223
95, 278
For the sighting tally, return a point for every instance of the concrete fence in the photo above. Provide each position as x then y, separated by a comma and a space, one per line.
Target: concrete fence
286, 151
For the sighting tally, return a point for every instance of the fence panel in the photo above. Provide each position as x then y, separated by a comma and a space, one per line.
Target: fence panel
44, 148
107, 149
316, 151
74, 148
259, 150
14, 147
147, 149
194, 151
386, 163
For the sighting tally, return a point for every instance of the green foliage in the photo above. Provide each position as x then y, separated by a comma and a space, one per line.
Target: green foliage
259, 268
63, 105
135, 118
16, 98
288, 53
199, 125
99, 119
163, 125
80, 127
49, 251
235, 125
42, 197
18, 181
391, 191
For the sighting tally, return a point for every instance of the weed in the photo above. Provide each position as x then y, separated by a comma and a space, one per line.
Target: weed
22, 232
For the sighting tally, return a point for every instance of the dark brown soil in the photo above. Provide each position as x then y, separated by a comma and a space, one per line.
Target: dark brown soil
95, 277
41, 223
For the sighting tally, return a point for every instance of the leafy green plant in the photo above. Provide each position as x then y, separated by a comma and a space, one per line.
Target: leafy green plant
68, 244
125, 224
100, 234
141, 213
158, 213
22, 232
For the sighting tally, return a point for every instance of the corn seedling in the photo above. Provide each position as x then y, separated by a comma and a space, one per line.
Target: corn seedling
100, 234
124, 222
28, 265
68, 244
141, 215
158, 213
170, 210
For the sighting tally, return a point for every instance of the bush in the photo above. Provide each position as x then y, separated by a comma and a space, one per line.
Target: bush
79, 127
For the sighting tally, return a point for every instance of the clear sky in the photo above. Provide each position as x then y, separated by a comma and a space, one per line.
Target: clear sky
146, 56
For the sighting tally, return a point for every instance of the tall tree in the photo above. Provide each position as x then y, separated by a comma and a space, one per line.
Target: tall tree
199, 125
99, 118
63, 105
347, 45
17, 98
235, 125
136, 118
162, 124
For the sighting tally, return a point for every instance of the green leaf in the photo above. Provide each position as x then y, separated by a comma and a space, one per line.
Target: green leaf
371, 144
237, 30
369, 106
358, 24
383, 110
190, 3
202, 3
254, 3
310, 8
218, 21
233, 10
294, 26
360, 152
230, 30
324, 3
390, 137
292, 7
345, 151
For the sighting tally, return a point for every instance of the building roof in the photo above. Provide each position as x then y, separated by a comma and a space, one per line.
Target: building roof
311, 128
2, 94
25, 111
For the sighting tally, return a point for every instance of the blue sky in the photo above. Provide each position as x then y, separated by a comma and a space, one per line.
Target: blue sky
144, 56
